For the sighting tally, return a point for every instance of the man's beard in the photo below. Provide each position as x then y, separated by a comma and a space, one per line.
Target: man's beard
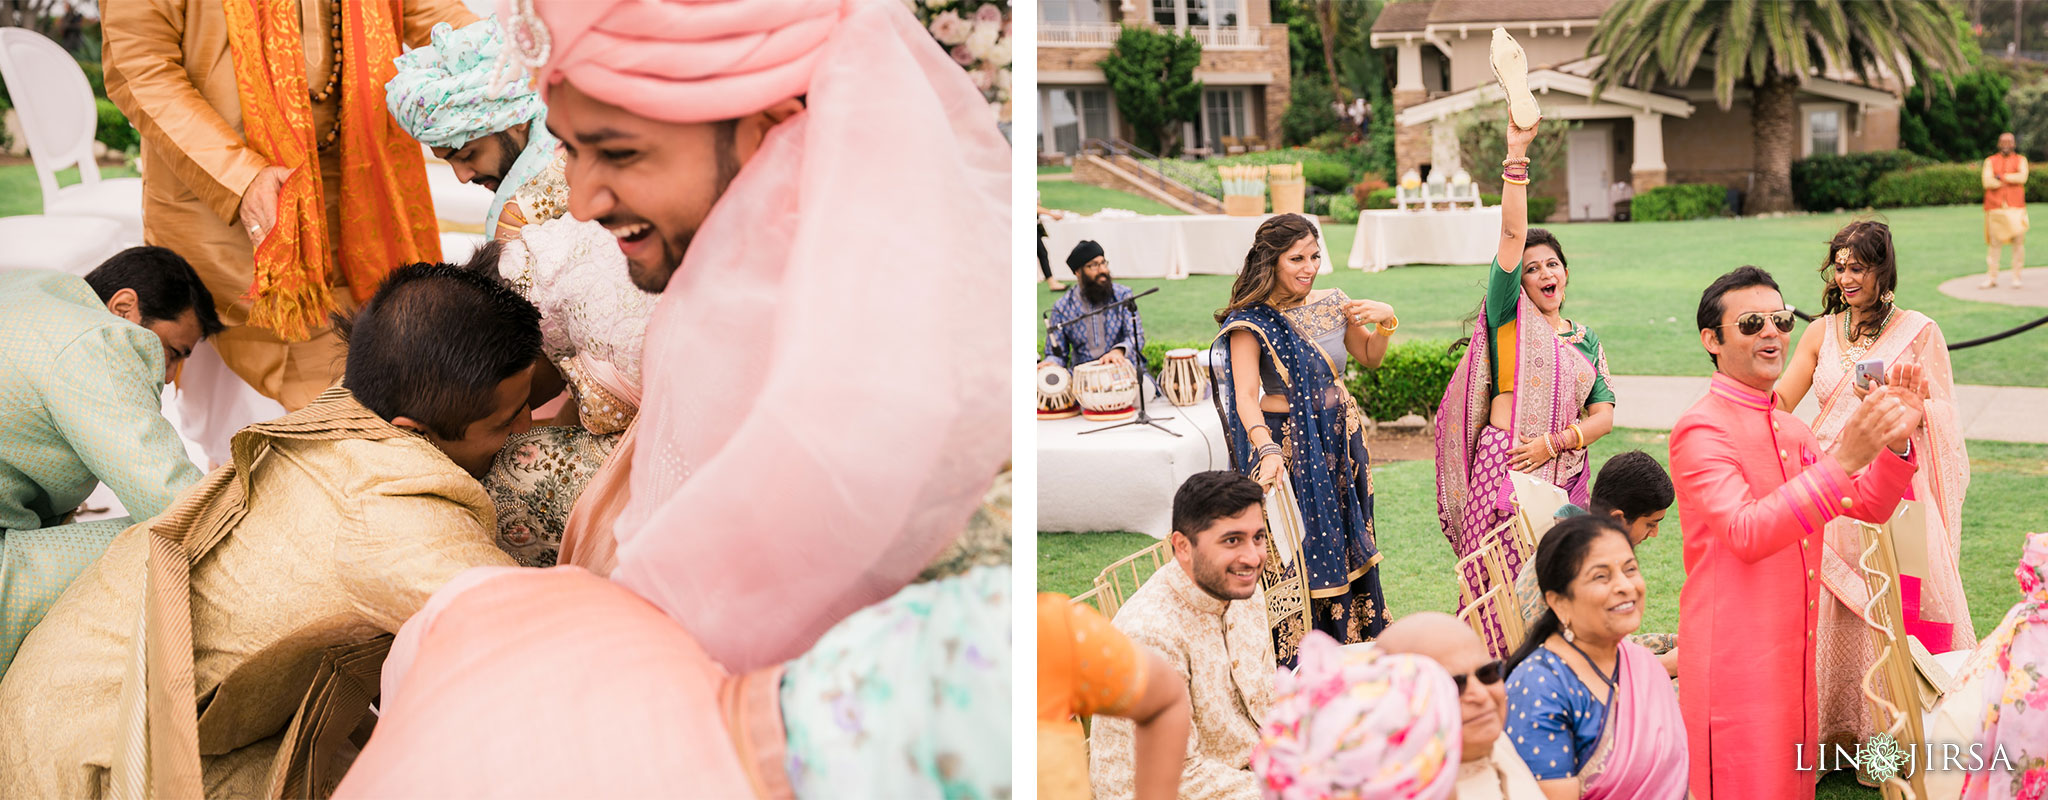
1210, 578
1098, 290
674, 250
509, 150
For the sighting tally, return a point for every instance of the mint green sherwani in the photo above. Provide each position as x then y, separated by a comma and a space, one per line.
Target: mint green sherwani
80, 403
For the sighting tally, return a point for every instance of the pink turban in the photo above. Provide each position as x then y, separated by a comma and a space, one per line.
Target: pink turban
1359, 724
826, 391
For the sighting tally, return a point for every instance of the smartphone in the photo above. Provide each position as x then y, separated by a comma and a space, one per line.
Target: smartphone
1869, 373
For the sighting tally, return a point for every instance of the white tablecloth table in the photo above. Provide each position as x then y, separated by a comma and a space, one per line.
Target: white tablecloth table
1124, 480
1158, 247
1392, 237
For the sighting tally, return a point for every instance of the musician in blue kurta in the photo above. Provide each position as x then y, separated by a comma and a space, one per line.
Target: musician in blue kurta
82, 370
1112, 336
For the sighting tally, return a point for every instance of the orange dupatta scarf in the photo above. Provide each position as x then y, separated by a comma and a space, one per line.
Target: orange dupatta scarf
387, 214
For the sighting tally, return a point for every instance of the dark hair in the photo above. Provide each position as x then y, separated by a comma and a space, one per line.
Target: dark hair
165, 286
1255, 281
1541, 236
1558, 560
1209, 496
1871, 242
1741, 277
1632, 483
435, 341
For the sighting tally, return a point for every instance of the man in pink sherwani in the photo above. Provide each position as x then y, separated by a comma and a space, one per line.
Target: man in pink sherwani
1755, 491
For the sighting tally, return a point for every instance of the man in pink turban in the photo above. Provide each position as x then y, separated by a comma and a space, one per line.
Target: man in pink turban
762, 162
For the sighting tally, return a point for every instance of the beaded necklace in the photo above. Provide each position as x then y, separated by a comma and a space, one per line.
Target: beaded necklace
333, 73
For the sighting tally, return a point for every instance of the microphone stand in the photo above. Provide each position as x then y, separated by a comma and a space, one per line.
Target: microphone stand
1144, 417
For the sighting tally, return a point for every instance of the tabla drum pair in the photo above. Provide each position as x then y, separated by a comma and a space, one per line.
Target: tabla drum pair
1056, 393
1184, 381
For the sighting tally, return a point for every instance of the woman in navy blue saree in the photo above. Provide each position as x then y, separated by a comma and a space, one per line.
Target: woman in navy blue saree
1293, 427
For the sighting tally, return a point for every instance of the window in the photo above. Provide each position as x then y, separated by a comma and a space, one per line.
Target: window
1823, 131
1223, 115
1166, 14
1071, 115
1215, 22
1069, 11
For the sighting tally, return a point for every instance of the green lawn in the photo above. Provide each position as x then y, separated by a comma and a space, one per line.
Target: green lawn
1638, 285
20, 194
1084, 199
2003, 505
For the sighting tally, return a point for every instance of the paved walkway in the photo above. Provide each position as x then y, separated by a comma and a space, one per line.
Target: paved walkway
2034, 293
1996, 413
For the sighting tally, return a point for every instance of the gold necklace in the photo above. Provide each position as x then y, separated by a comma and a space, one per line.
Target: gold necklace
1853, 347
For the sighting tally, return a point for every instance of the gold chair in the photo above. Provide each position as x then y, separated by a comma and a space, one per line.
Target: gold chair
1489, 564
1489, 613
1130, 572
1100, 598
1899, 704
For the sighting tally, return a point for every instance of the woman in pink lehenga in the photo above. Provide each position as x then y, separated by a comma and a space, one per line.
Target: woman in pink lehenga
1531, 393
1861, 323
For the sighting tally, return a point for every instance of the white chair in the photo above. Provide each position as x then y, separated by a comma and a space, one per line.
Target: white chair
70, 244
58, 120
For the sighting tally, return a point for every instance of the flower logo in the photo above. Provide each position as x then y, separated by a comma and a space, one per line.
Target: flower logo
1883, 757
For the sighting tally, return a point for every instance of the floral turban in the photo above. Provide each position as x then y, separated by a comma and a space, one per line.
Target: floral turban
446, 94
1359, 723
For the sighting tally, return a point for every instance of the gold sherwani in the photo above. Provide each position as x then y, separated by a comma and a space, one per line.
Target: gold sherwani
1225, 653
348, 525
168, 68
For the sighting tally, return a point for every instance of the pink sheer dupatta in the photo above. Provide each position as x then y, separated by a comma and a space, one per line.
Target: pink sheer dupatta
1641, 755
818, 424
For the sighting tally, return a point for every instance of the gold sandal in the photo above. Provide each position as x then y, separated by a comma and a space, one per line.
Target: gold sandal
1511, 69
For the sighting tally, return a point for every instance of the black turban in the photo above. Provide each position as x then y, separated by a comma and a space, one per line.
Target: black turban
1083, 253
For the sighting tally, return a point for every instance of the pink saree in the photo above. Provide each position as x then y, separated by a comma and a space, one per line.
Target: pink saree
1641, 754
1936, 612
1474, 495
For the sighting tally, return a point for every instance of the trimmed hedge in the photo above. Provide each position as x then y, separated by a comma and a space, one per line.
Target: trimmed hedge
1540, 208
1343, 209
1679, 201
1935, 185
1202, 176
1330, 176
1410, 380
1829, 182
114, 130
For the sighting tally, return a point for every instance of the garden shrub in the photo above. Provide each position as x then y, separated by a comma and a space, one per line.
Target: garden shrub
1410, 380
1934, 185
1828, 182
1679, 201
1329, 176
114, 130
1540, 207
1367, 184
1343, 208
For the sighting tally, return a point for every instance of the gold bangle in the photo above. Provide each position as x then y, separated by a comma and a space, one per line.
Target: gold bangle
1387, 328
1578, 436
1506, 179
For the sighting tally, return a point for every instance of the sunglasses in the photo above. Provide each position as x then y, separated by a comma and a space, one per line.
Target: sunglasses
1752, 323
1488, 673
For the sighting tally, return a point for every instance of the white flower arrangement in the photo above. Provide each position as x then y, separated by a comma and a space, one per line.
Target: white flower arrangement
976, 33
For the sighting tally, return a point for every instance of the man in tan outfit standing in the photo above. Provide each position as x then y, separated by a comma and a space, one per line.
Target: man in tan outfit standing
271, 164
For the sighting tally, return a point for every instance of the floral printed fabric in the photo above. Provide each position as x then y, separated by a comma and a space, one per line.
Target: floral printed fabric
535, 482
446, 94
1359, 723
2016, 722
908, 698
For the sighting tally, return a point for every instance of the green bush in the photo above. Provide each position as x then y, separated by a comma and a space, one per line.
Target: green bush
2037, 186
1963, 121
1679, 201
1936, 185
6, 139
1410, 380
1328, 141
1155, 352
1380, 199
114, 130
1308, 110
1829, 182
2029, 104
1540, 208
1329, 176
1202, 177
95, 76
1343, 208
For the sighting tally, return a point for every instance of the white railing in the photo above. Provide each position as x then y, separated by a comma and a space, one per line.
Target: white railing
1088, 33
1226, 37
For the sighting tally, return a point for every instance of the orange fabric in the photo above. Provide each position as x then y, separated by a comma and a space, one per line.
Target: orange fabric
1085, 665
386, 216
2012, 195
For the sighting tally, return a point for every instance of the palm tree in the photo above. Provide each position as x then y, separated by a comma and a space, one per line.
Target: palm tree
1770, 47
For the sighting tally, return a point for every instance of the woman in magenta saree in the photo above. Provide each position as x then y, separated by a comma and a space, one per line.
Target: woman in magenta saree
1530, 395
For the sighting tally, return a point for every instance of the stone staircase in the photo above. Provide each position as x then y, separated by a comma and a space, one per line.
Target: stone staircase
1126, 173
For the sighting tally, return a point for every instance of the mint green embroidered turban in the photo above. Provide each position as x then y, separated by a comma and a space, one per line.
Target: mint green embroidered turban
443, 92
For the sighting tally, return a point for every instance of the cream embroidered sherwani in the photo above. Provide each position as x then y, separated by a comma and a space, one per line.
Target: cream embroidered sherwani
346, 525
168, 69
1224, 650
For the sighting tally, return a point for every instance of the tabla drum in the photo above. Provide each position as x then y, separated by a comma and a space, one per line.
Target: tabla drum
1106, 391
1183, 379
1056, 393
